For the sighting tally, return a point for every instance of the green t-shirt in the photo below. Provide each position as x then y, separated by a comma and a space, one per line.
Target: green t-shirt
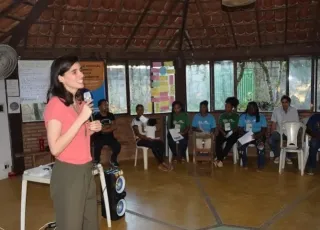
181, 120
229, 121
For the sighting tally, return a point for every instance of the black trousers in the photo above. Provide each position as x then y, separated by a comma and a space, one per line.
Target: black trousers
182, 146
157, 147
101, 141
223, 152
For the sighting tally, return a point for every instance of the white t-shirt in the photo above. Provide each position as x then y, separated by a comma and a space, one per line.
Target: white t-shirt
280, 116
151, 131
141, 126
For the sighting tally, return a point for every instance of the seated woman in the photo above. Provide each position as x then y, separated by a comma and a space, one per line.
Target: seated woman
255, 122
178, 119
157, 146
203, 121
227, 130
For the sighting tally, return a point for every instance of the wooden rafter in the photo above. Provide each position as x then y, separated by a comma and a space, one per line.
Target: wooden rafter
172, 41
232, 30
146, 9
266, 51
113, 24
6, 10
87, 14
186, 35
23, 27
184, 20
200, 10
164, 19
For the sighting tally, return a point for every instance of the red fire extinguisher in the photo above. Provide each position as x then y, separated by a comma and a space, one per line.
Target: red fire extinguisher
41, 144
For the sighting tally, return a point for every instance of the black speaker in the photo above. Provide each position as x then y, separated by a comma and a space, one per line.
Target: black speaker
116, 185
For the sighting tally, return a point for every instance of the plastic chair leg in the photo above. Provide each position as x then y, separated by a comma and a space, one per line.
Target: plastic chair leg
145, 158
136, 158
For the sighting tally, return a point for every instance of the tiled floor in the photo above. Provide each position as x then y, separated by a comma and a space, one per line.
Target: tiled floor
191, 197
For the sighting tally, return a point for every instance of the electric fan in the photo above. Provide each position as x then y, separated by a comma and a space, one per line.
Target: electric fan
8, 61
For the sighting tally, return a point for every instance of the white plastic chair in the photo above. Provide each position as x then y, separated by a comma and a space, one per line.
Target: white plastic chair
291, 130
235, 152
168, 150
144, 150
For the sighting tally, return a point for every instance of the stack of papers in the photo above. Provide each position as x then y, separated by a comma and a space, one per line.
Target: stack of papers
246, 138
176, 136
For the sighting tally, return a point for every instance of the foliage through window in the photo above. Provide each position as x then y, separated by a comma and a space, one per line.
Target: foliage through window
223, 83
261, 81
198, 85
140, 89
300, 82
117, 92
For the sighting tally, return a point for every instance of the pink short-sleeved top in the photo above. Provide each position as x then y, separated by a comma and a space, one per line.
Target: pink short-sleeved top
78, 151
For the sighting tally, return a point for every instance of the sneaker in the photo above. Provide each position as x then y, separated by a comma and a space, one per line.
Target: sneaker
289, 161
276, 160
220, 164
114, 164
310, 172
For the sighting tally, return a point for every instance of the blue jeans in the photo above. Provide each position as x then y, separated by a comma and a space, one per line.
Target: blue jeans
275, 143
260, 151
313, 151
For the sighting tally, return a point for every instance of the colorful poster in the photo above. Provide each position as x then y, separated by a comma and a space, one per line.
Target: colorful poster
94, 80
163, 86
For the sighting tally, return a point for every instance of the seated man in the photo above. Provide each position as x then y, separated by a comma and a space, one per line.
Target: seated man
313, 129
156, 145
106, 137
280, 115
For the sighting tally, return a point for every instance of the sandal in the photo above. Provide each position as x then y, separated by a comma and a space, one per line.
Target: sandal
162, 168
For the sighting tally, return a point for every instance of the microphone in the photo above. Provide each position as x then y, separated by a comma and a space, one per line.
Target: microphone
87, 97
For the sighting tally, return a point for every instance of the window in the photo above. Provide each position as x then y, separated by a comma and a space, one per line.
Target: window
162, 86
223, 83
117, 92
198, 85
140, 89
261, 81
300, 82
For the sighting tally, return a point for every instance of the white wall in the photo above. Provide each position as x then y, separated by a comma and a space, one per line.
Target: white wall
5, 147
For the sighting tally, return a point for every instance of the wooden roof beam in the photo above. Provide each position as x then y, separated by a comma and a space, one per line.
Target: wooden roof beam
146, 9
232, 30
184, 20
22, 28
165, 18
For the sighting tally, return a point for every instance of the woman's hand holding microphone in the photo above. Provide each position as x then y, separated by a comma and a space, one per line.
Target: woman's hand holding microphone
86, 112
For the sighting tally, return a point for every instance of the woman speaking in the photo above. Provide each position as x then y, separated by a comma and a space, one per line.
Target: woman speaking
72, 187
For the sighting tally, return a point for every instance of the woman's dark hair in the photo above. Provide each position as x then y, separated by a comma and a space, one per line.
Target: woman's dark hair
58, 68
233, 101
172, 111
205, 103
255, 106
286, 97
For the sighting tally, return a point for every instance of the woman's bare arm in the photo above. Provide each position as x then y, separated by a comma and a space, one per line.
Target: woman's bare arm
57, 142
